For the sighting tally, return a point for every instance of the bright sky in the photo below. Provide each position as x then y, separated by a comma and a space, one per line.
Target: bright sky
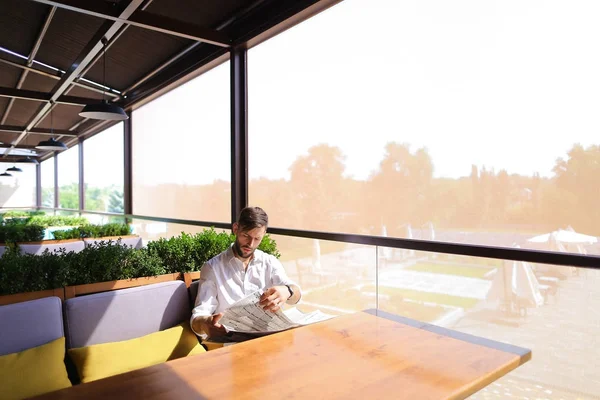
501, 84
505, 84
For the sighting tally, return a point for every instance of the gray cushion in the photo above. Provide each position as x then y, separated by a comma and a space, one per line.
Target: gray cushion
194, 292
39, 248
125, 314
30, 324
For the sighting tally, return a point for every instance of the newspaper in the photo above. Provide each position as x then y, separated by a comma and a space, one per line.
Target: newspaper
247, 316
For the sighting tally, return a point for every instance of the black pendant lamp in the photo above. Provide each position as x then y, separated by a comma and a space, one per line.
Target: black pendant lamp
14, 169
5, 174
104, 110
28, 160
51, 144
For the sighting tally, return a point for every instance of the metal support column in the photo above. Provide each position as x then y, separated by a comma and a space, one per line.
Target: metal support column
127, 164
38, 185
55, 180
239, 131
81, 177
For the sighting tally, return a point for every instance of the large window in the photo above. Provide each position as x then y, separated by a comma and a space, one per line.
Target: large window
467, 122
68, 178
47, 182
464, 122
17, 190
181, 151
103, 170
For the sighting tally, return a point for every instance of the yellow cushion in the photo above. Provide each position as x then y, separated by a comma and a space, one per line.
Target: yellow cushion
102, 360
34, 371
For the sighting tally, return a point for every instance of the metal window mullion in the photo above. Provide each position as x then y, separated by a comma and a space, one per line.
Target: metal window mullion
127, 164
81, 177
56, 180
38, 185
239, 130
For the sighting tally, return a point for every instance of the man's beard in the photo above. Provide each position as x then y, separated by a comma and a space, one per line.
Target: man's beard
238, 250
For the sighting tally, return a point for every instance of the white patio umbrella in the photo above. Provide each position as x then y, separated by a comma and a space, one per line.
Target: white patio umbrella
565, 236
515, 280
316, 256
430, 231
385, 253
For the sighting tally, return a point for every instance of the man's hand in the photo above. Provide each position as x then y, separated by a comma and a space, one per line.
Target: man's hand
210, 325
273, 298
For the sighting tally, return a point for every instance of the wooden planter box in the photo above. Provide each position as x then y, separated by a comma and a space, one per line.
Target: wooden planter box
69, 292
20, 297
89, 288
47, 242
189, 277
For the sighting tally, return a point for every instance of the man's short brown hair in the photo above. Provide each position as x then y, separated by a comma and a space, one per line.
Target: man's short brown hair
252, 217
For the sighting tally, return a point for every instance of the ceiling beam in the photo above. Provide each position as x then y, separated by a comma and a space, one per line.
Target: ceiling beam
56, 76
146, 20
37, 131
22, 147
87, 55
32, 54
176, 57
42, 96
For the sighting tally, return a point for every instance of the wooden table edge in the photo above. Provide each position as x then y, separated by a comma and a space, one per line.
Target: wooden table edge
523, 353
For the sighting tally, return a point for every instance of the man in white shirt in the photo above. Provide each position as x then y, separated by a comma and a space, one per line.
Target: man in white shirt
238, 272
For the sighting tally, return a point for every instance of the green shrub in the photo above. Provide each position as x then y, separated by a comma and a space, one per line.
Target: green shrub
97, 262
21, 233
21, 214
269, 246
57, 220
94, 231
28, 272
107, 261
68, 234
186, 253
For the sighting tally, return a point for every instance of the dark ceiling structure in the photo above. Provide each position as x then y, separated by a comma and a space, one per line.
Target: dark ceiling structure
51, 56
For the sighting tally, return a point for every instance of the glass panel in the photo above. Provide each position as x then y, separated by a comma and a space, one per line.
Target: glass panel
472, 121
103, 219
153, 230
47, 182
103, 170
548, 309
68, 178
18, 190
332, 275
181, 151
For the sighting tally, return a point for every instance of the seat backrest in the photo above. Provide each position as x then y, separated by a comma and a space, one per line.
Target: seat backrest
125, 314
38, 249
30, 324
193, 292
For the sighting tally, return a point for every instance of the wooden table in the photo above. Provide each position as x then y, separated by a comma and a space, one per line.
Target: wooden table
369, 354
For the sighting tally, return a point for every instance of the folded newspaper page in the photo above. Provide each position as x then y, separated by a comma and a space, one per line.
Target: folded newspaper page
247, 316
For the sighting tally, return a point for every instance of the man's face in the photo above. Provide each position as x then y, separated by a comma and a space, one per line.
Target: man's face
247, 241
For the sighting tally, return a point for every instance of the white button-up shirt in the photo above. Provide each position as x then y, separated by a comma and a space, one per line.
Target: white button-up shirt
223, 280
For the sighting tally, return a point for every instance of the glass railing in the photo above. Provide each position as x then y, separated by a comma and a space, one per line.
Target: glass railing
549, 309
150, 230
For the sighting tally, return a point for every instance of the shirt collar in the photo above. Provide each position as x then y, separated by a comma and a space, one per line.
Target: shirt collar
230, 255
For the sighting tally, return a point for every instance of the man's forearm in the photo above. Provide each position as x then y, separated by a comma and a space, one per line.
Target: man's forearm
296, 296
199, 323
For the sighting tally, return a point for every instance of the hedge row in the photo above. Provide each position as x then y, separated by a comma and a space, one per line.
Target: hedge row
110, 260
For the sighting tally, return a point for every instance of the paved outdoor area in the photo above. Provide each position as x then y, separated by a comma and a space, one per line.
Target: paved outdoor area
435, 283
563, 334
